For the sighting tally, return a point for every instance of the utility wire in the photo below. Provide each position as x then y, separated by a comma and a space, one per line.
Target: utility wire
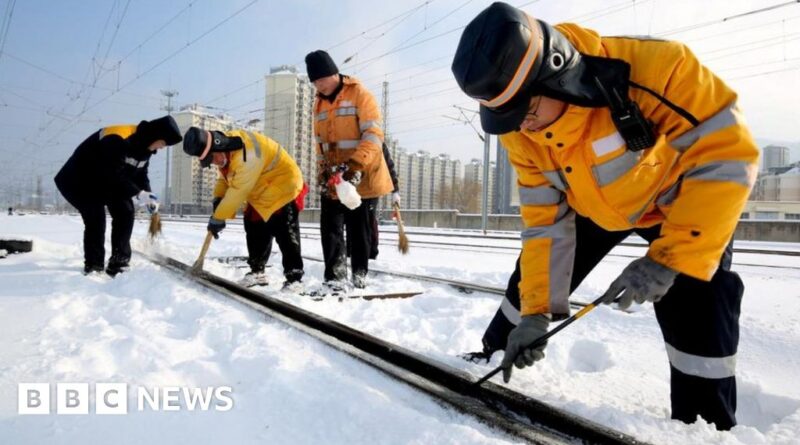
727, 19
6, 24
170, 56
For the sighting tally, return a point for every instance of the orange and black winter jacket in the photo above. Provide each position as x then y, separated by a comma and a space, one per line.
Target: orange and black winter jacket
348, 130
694, 181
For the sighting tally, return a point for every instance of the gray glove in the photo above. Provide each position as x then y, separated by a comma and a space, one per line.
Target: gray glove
643, 280
521, 337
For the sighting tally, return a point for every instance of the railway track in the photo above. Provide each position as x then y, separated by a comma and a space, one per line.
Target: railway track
437, 245
412, 233
514, 413
462, 286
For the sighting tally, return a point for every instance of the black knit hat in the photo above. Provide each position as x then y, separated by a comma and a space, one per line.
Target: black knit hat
162, 128
319, 64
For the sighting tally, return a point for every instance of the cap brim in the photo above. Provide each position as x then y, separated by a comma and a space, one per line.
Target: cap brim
173, 139
206, 162
504, 119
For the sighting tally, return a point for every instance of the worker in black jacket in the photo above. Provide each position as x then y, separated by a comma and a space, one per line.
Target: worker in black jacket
373, 211
109, 169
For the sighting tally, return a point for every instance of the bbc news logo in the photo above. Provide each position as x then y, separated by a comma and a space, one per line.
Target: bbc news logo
112, 398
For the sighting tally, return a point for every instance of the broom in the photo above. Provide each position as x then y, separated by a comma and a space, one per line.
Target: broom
197, 267
155, 225
402, 239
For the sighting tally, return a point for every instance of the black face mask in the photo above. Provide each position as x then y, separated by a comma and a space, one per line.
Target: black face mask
220, 143
589, 81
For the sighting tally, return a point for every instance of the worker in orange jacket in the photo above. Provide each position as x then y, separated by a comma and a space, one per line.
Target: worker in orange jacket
347, 127
611, 136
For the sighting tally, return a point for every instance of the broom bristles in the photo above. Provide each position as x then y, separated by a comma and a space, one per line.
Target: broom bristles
402, 239
155, 225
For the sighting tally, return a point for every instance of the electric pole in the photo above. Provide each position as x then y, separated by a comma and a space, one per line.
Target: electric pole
385, 110
486, 138
38, 194
386, 201
169, 94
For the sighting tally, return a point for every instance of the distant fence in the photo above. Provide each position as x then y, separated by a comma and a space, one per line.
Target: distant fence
783, 231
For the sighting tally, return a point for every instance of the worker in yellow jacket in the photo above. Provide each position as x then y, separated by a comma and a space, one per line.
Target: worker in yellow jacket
257, 171
347, 127
611, 136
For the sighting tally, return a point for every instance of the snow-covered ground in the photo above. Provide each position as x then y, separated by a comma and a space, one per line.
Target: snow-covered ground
149, 329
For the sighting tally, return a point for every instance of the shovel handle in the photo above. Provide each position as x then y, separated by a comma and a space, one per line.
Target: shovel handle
586, 309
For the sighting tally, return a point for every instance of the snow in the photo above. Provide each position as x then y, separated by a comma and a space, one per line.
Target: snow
149, 328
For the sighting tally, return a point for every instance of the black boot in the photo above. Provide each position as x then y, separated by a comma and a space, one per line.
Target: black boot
117, 265
92, 268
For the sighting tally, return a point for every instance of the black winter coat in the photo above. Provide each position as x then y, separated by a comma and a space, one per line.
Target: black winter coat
105, 168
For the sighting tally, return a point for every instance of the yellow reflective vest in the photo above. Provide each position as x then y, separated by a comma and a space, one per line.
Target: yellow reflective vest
349, 129
694, 181
123, 131
267, 180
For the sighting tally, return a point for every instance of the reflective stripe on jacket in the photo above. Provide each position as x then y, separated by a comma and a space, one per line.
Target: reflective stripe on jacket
349, 129
124, 131
268, 180
694, 181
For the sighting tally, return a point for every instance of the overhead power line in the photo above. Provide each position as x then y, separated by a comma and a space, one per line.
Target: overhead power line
727, 19
6, 25
169, 57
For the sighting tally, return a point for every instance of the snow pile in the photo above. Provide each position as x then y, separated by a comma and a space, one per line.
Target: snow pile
147, 328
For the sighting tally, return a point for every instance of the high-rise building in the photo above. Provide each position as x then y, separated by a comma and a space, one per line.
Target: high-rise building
412, 175
400, 159
775, 157
473, 174
446, 179
288, 119
191, 186
780, 184
506, 196
424, 179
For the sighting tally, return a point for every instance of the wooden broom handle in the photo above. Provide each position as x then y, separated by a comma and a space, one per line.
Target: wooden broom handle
206, 244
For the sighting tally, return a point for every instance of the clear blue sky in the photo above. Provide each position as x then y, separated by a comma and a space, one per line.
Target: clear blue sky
70, 41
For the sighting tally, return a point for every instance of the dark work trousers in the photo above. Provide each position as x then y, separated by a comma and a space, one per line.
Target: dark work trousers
374, 232
284, 226
94, 231
334, 219
699, 321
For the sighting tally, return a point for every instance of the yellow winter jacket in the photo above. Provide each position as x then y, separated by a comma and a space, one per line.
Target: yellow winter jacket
268, 180
349, 129
694, 181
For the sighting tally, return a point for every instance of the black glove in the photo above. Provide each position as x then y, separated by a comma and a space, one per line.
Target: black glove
352, 173
643, 280
323, 176
215, 204
517, 351
215, 226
